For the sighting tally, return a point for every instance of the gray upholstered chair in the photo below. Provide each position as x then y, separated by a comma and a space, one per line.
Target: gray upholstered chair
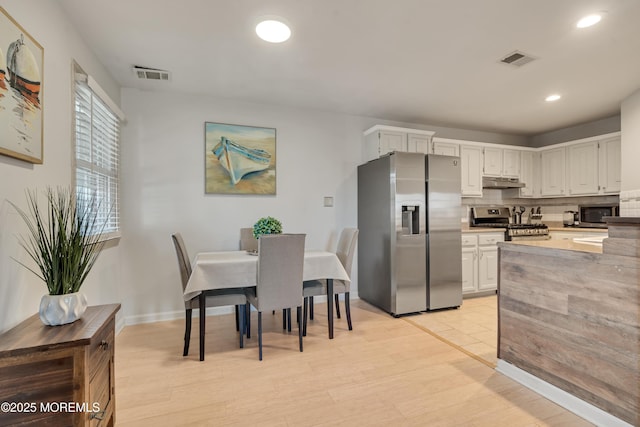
345, 252
214, 298
278, 285
247, 241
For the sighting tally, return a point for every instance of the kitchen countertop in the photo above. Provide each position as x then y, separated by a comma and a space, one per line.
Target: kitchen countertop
467, 229
557, 226
553, 226
568, 245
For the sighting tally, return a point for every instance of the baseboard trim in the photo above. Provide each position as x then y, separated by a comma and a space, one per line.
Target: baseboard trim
139, 319
589, 412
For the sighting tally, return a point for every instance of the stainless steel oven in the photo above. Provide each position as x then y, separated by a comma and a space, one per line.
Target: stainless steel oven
593, 215
498, 217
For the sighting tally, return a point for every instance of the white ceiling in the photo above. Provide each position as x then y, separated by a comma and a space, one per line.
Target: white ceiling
418, 61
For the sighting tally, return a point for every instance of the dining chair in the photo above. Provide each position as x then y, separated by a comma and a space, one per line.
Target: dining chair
279, 274
213, 298
247, 241
345, 252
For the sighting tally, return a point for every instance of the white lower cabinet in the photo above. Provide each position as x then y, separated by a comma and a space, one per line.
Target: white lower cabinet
469, 263
488, 268
480, 262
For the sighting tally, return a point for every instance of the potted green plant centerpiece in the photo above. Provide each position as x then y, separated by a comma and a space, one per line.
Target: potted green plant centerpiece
64, 239
267, 225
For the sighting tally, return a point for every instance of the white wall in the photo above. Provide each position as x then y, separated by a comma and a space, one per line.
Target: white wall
20, 290
631, 141
630, 194
571, 133
163, 187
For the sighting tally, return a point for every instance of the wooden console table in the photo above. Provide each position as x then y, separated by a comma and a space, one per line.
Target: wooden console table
59, 375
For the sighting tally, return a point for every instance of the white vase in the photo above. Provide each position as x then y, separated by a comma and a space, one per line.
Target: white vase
62, 309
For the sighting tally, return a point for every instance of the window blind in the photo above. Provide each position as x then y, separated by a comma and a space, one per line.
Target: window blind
97, 138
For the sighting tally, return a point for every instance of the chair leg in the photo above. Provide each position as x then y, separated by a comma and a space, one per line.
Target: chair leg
247, 313
299, 328
311, 308
288, 319
241, 319
347, 309
202, 313
304, 316
337, 305
187, 332
237, 319
260, 335
284, 319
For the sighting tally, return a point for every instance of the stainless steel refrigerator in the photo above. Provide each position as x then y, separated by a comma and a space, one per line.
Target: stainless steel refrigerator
409, 245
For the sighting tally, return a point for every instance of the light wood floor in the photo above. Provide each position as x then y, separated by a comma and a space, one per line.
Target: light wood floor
473, 327
385, 372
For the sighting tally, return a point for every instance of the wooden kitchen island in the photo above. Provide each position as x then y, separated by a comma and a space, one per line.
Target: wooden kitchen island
569, 315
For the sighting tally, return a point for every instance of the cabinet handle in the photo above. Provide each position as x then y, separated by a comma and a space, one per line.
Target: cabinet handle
104, 345
97, 415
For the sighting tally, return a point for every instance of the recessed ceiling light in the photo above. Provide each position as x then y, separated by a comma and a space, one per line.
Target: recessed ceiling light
273, 31
588, 21
552, 98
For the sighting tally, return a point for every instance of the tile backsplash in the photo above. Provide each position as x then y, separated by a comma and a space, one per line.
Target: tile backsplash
551, 209
630, 203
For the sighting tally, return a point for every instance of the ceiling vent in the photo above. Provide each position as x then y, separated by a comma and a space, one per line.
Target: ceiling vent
517, 59
145, 73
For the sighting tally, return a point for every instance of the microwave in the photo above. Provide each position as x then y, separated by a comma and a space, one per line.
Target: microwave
594, 215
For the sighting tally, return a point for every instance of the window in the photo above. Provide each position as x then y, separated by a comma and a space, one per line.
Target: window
97, 155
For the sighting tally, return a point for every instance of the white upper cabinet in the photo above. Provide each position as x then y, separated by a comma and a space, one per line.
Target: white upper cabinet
471, 165
417, 143
389, 141
529, 166
380, 140
609, 165
586, 167
582, 168
492, 161
552, 172
501, 162
511, 163
446, 148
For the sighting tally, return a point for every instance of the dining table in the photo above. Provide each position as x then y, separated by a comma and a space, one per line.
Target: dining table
238, 269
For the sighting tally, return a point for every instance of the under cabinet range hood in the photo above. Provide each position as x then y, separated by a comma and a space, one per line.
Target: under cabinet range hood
500, 183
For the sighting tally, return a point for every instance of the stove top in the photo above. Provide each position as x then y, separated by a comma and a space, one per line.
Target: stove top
498, 217
526, 226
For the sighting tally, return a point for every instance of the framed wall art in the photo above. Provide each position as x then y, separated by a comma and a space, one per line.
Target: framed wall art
21, 92
239, 159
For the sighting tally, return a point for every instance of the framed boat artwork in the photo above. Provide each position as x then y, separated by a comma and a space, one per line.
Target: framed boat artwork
21, 92
239, 159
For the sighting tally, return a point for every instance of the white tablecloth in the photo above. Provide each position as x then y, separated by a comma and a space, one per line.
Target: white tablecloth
237, 269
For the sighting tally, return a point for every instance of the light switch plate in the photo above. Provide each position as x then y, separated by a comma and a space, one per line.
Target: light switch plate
328, 202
